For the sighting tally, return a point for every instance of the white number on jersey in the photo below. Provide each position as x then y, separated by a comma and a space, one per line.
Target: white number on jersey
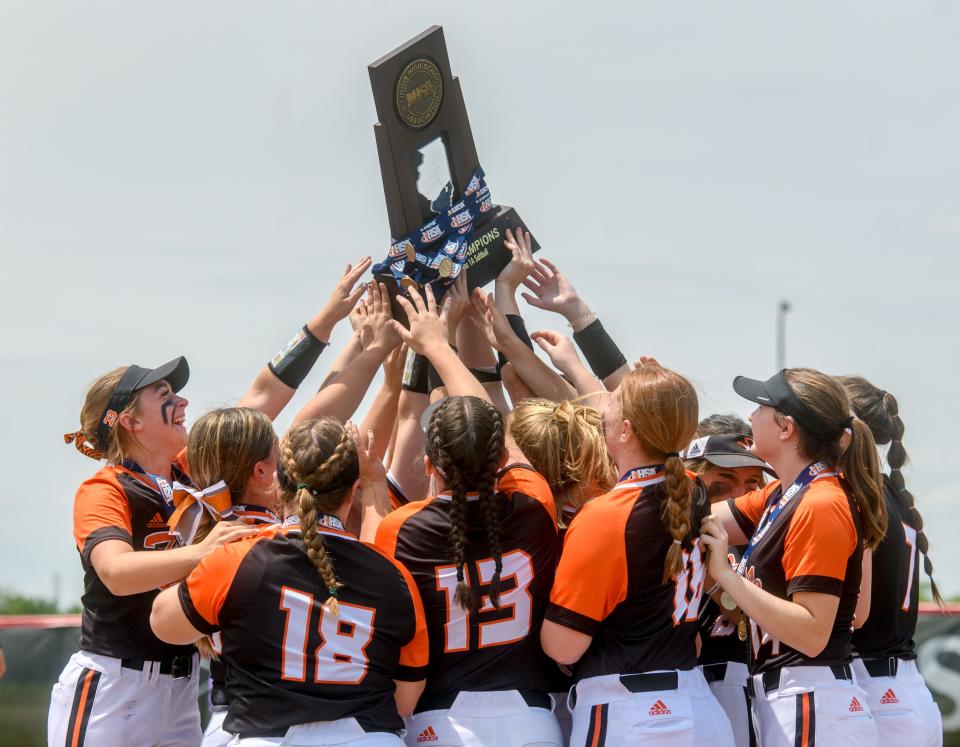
341, 657
689, 586
456, 630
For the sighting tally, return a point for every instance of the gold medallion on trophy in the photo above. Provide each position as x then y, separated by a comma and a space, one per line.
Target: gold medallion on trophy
419, 93
445, 268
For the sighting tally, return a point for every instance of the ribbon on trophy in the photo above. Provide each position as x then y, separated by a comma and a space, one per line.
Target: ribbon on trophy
436, 252
191, 505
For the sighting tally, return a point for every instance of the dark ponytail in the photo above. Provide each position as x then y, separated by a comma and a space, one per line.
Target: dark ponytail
465, 441
879, 410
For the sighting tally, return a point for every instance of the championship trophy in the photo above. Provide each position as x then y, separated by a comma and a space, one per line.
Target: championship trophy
442, 218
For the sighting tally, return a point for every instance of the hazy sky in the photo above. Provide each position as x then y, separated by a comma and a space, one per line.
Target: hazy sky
191, 177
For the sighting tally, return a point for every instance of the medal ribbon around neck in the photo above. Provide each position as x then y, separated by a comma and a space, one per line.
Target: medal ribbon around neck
192, 504
641, 477
436, 252
776, 504
330, 522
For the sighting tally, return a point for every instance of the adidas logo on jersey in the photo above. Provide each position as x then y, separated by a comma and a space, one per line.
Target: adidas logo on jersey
889, 698
855, 706
659, 709
156, 522
428, 735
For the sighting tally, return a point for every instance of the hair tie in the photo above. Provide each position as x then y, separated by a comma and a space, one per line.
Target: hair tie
332, 591
677, 542
673, 454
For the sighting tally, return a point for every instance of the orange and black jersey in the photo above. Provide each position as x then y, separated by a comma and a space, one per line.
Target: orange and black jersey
895, 592
497, 648
609, 583
255, 516
719, 641
290, 661
119, 503
814, 544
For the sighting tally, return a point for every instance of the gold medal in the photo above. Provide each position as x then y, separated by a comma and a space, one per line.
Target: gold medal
742, 628
411, 253
727, 601
409, 283
445, 268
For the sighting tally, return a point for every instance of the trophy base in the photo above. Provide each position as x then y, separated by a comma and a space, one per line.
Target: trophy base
486, 255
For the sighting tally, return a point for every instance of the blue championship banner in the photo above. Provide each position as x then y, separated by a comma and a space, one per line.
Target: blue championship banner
436, 252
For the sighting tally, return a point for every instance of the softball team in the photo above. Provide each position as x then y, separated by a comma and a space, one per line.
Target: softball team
570, 560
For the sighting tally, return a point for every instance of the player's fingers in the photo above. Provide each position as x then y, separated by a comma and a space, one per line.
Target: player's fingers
399, 329
409, 307
352, 275
431, 301
552, 268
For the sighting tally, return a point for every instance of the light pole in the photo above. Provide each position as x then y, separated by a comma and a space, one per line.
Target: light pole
782, 310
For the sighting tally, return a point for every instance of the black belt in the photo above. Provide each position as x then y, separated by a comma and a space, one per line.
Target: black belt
178, 667
444, 701
648, 682
771, 679
886, 667
714, 672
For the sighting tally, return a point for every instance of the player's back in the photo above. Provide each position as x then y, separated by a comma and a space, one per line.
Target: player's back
293, 661
495, 648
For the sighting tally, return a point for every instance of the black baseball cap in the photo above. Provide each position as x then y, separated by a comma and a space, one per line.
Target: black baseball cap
729, 450
777, 392
176, 373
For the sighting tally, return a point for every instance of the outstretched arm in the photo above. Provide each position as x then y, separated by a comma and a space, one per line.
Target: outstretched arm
552, 291
427, 336
563, 354
277, 382
536, 374
341, 397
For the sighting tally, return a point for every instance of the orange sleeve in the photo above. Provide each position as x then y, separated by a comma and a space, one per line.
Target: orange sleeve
204, 591
526, 480
820, 540
414, 656
101, 512
591, 579
389, 529
748, 508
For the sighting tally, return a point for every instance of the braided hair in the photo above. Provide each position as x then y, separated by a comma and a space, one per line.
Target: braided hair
661, 406
317, 470
879, 410
465, 441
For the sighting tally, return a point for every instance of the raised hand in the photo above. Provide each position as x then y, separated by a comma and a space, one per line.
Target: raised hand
559, 348
372, 470
552, 291
377, 331
455, 305
428, 329
522, 264
393, 368
345, 296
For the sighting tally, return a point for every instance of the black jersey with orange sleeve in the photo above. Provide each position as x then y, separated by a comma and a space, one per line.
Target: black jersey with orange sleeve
894, 590
290, 661
719, 640
255, 516
815, 544
609, 583
119, 504
496, 648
